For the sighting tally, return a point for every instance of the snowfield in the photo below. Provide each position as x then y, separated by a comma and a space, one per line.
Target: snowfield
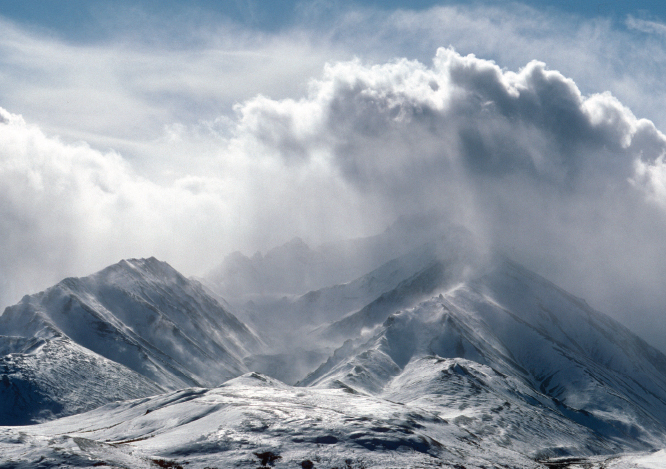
255, 418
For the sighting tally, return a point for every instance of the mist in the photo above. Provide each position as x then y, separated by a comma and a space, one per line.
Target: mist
545, 145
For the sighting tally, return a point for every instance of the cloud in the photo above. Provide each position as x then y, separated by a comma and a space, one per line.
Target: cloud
571, 185
385, 126
120, 94
646, 26
599, 54
68, 209
217, 138
156, 71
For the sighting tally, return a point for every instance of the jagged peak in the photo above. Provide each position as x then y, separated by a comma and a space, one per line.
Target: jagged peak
144, 263
150, 268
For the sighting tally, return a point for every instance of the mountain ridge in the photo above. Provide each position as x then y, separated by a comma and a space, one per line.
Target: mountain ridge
142, 315
464, 360
613, 384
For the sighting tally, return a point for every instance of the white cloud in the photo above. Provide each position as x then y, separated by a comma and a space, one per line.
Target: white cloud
562, 181
646, 26
122, 94
380, 123
240, 140
68, 209
596, 53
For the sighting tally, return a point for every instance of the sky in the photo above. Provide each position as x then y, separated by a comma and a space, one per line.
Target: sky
189, 130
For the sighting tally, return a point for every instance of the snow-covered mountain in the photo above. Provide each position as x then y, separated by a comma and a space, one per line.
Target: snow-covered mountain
439, 357
249, 422
317, 322
138, 321
46, 378
512, 341
295, 268
441, 260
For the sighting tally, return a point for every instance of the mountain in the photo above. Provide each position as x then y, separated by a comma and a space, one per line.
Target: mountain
319, 321
511, 341
295, 268
46, 378
248, 422
439, 357
449, 254
138, 321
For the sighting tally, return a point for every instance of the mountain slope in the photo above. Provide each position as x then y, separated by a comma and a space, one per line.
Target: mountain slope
497, 368
254, 421
299, 329
154, 324
552, 357
44, 378
433, 264
142, 314
249, 422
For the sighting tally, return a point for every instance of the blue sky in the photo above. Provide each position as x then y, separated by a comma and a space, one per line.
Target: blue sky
83, 20
188, 130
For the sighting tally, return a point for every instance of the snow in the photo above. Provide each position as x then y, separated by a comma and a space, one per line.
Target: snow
655, 460
138, 323
44, 378
587, 384
438, 357
229, 425
225, 426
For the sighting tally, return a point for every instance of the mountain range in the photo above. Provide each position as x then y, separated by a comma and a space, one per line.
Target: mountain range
437, 354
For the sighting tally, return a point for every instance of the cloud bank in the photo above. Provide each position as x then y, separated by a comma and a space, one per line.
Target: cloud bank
563, 179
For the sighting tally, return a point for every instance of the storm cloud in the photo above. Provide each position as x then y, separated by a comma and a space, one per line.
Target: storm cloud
571, 185
563, 179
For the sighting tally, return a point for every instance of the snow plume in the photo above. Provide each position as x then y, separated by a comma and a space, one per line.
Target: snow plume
571, 185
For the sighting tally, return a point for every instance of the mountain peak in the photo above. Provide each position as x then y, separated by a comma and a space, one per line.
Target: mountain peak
294, 247
144, 315
143, 264
474, 353
150, 270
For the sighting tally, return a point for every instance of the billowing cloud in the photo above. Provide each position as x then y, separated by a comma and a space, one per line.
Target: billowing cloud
571, 185
68, 209
226, 139
385, 126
